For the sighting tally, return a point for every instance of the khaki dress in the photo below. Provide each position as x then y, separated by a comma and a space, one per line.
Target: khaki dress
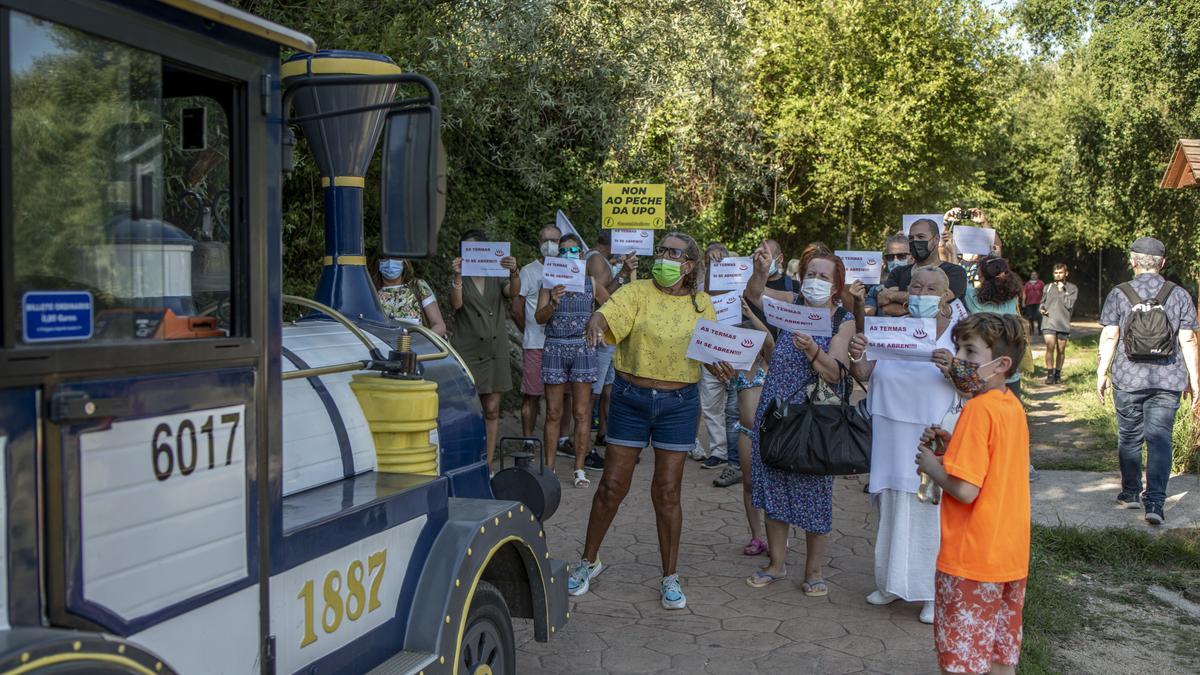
481, 335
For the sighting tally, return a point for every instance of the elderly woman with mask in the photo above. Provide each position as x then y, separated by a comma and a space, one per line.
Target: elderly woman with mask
906, 545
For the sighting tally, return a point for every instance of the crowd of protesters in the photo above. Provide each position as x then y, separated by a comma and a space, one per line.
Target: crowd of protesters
611, 360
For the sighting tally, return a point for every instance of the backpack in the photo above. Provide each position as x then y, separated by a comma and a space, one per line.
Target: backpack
1147, 333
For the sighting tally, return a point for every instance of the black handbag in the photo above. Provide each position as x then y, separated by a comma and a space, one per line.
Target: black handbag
823, 436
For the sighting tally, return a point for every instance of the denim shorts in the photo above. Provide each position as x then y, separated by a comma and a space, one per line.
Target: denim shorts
637, 414
604, 368
568, 360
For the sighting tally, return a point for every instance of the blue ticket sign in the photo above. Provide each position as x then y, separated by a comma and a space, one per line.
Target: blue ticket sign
49, 316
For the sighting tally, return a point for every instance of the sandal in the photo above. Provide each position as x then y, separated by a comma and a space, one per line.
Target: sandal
755, 547
761, 579
817, 588
581, 479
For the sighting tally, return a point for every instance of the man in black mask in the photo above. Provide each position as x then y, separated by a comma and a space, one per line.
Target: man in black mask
922, 243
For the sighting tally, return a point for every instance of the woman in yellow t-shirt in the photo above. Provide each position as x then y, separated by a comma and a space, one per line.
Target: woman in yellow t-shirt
655, 400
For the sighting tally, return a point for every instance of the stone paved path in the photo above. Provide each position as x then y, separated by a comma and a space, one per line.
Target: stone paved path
727, 627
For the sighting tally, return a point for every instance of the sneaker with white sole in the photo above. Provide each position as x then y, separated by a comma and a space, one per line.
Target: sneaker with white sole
881, 598
927, 612
712, 462
729, 476
672, 594
581, 577
697, 453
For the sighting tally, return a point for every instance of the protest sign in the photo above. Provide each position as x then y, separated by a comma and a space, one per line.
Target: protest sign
629, 206
909, 219
564, 272
903, 339
864, 266
976, 240
729, 308
640, 242
812, 321
958, 311
713, 343
482, 258
731, 274
564, 226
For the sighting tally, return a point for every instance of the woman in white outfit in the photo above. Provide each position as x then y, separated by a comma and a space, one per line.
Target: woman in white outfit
904, 398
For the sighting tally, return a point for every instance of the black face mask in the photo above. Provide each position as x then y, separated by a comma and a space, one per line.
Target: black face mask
919, 249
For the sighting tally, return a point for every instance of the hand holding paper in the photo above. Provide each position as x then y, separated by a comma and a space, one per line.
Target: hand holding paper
904, 339
564, 272
484, 258
812, 321
712, 342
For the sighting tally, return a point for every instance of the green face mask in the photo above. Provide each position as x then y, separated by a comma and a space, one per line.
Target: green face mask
667, 272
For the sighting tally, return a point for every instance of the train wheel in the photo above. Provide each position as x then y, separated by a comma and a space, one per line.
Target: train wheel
488, 646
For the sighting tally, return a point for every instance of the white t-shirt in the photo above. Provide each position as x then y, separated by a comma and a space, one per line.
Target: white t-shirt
531, 286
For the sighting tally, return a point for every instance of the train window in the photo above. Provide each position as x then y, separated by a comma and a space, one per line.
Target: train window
121, 184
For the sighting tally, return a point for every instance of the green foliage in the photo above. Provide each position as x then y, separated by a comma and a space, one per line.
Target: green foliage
788, 118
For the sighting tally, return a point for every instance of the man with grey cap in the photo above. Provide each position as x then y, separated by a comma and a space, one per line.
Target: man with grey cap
1146, 388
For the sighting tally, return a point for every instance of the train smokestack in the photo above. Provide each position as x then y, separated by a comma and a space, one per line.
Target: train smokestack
343, 147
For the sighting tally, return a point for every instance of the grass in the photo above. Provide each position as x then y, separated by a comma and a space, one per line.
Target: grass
1068, 563
1078, 404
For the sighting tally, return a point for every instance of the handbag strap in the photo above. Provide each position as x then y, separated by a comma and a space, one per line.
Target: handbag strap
846, 389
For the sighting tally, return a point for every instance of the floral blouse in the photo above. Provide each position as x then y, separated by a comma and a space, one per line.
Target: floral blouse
403, 303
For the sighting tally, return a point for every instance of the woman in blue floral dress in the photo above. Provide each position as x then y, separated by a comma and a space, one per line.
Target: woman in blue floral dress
791, 499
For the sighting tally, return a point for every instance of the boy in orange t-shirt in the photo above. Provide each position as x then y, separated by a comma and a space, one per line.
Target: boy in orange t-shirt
979, 590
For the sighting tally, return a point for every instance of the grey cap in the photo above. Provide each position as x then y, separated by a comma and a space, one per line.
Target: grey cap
1149, 246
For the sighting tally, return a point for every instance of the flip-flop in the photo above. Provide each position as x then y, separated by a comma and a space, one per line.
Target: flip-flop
761, 579
816, 588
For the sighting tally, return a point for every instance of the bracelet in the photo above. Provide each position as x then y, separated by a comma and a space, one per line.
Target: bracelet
456, 286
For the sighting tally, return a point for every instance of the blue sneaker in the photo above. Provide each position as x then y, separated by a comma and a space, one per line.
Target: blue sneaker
582, 574
712, 463
672, 594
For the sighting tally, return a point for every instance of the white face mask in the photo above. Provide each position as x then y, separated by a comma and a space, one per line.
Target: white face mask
549, 249
816, 291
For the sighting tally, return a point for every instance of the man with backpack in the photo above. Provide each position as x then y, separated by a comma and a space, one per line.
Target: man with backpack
1149, 342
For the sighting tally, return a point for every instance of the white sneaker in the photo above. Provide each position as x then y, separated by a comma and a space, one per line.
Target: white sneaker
881, 598
927, 612
697, 453
672, 594
581, 576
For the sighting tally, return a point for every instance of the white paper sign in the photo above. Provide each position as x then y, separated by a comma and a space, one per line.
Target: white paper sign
904, 339
812, 321
713, 343
564, 272
864, 266
729, 308
909, 219
976, 240
640, 242
958, 311
482, 258
731, 274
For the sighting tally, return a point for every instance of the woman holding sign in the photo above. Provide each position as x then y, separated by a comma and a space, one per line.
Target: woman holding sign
906, 546
791, 499
481, 333
655, 400
567, 360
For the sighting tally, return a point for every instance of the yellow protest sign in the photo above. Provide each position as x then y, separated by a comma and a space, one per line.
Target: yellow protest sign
633, 206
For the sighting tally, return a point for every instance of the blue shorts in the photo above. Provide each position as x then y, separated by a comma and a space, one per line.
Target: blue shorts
604, 368
568, 360
637, 414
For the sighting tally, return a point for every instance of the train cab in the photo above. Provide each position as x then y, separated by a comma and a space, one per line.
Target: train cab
191, 483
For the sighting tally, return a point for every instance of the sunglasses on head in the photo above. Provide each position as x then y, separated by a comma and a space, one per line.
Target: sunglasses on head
669, 251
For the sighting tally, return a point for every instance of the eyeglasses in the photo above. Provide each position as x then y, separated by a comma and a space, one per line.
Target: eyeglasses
669, 251
895, 256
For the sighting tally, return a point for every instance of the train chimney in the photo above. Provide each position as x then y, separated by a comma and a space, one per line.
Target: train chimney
343, 147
